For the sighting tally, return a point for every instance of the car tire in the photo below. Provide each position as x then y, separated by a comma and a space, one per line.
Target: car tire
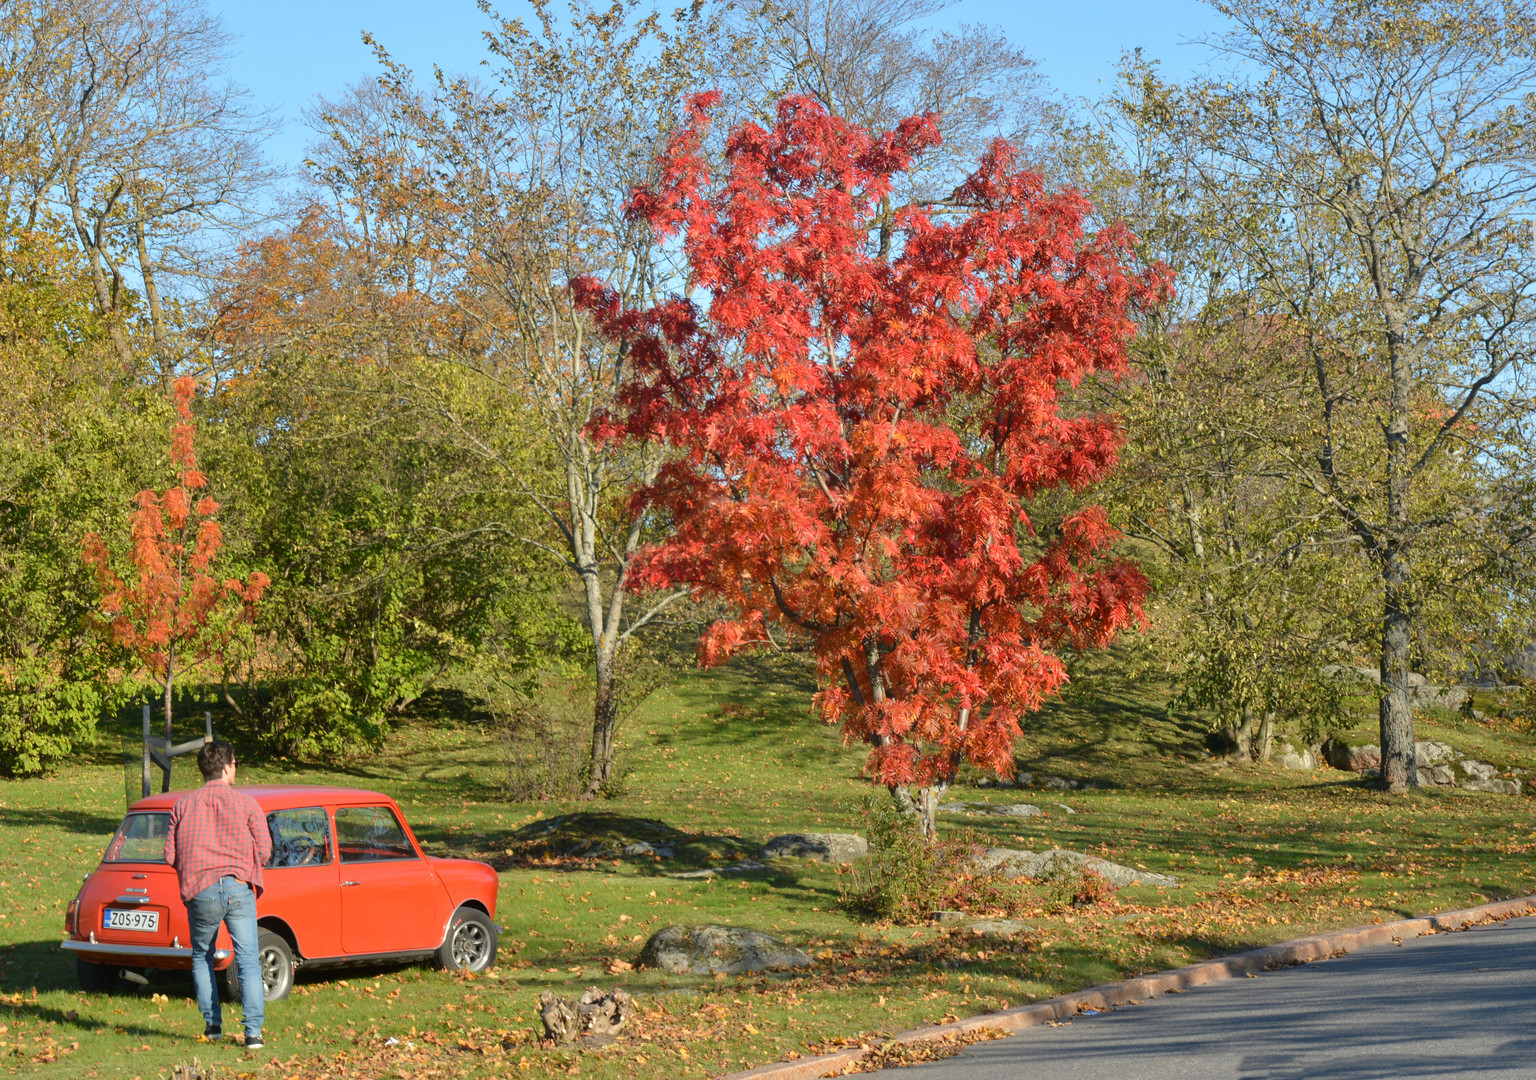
276, 960
95, 978
470, 944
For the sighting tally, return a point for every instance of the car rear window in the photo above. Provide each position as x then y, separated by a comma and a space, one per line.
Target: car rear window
140, 838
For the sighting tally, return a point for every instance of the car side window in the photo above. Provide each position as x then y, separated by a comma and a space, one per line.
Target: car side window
371, 834
299, 837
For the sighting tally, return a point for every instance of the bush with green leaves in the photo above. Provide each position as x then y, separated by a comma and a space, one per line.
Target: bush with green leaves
907, 877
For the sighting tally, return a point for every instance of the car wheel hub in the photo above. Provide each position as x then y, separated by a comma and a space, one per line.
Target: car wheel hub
469, 945
271, 969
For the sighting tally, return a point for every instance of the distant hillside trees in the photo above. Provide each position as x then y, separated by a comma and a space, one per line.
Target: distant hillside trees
1358, 189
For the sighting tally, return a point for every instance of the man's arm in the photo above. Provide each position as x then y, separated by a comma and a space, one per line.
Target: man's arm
259, 833
170, 834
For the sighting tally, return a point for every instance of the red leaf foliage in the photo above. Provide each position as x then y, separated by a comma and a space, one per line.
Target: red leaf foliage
168, 604
859, 426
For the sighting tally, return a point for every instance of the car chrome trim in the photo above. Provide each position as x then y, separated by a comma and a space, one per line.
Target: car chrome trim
100, 948
131, 900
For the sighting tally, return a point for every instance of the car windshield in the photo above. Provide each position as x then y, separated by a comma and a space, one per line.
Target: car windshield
140, 838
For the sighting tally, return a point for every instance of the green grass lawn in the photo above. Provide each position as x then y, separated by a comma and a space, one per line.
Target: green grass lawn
734, 757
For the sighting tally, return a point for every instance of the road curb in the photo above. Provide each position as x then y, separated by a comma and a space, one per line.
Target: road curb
1131, 991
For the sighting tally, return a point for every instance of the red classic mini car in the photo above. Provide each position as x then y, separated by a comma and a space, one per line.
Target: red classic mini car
347, 884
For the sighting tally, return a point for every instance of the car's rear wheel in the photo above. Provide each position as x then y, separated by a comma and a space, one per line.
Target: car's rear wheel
470, 944
276, 961
95, 978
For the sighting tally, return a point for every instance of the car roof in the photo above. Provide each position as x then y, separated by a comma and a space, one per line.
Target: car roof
277, 797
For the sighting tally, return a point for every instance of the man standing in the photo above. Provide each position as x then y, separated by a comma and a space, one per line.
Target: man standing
217, 842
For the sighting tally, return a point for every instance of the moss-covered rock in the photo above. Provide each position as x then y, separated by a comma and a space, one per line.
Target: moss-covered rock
709, 950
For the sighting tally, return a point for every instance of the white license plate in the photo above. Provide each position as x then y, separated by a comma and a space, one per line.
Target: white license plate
118, 919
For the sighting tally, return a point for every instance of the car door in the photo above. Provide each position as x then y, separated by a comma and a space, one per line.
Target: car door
302, 881
391, 901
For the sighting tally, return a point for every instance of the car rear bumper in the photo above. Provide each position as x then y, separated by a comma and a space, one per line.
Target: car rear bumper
153, 955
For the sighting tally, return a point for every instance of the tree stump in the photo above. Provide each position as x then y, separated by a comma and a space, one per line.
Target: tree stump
597, 1019
559, 1020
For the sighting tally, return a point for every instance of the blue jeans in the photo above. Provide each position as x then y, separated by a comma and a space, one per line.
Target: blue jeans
232, 902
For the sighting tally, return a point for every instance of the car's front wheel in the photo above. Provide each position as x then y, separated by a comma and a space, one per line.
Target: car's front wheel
276, 961
470, 944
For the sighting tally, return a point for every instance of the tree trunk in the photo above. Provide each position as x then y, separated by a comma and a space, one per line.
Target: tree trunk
605, 723
170, 672
1264, 738
928, 809
1399, 768
1242, 744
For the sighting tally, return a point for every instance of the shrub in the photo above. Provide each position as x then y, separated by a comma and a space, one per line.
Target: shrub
907, 877
547, 741
47, 712
1072, 886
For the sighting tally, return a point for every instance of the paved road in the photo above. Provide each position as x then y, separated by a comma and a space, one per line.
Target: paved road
1447, 1005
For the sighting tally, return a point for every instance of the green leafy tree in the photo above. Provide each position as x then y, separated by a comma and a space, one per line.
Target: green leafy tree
395, 562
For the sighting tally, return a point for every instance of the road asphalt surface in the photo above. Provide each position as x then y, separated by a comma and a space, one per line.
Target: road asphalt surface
1459, 1004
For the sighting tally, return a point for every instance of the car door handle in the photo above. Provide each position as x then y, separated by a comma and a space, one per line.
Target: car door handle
344, 884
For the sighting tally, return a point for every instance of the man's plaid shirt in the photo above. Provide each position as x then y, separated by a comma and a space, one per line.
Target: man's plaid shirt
216, 832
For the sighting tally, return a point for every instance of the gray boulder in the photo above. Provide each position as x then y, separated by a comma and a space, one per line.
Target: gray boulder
1436, 776
1422, 693
1005, 809
1496, 786
1016, 863
996, 928
1427, 752
1288, 757
644, 847
1450, 698
1477, 770
1021, 779
822, 847
709, 950
1358, 759
711, 871
1360, 674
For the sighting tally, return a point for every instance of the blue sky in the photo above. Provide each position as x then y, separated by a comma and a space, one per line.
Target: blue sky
288, 51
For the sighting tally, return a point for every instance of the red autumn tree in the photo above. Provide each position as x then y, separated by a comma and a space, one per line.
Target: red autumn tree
175, 611
862, 407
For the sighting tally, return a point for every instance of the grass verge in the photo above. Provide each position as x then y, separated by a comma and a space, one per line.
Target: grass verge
731, 758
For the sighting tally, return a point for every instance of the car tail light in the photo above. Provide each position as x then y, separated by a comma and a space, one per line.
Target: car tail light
72, 915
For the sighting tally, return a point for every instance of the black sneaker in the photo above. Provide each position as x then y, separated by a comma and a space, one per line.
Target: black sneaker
213, 1031
254, 1044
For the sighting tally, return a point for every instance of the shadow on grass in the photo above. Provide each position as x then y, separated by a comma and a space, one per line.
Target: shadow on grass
75, 821
42, 966
577, 841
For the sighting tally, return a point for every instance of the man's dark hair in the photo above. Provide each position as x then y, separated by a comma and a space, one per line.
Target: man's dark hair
212, 758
